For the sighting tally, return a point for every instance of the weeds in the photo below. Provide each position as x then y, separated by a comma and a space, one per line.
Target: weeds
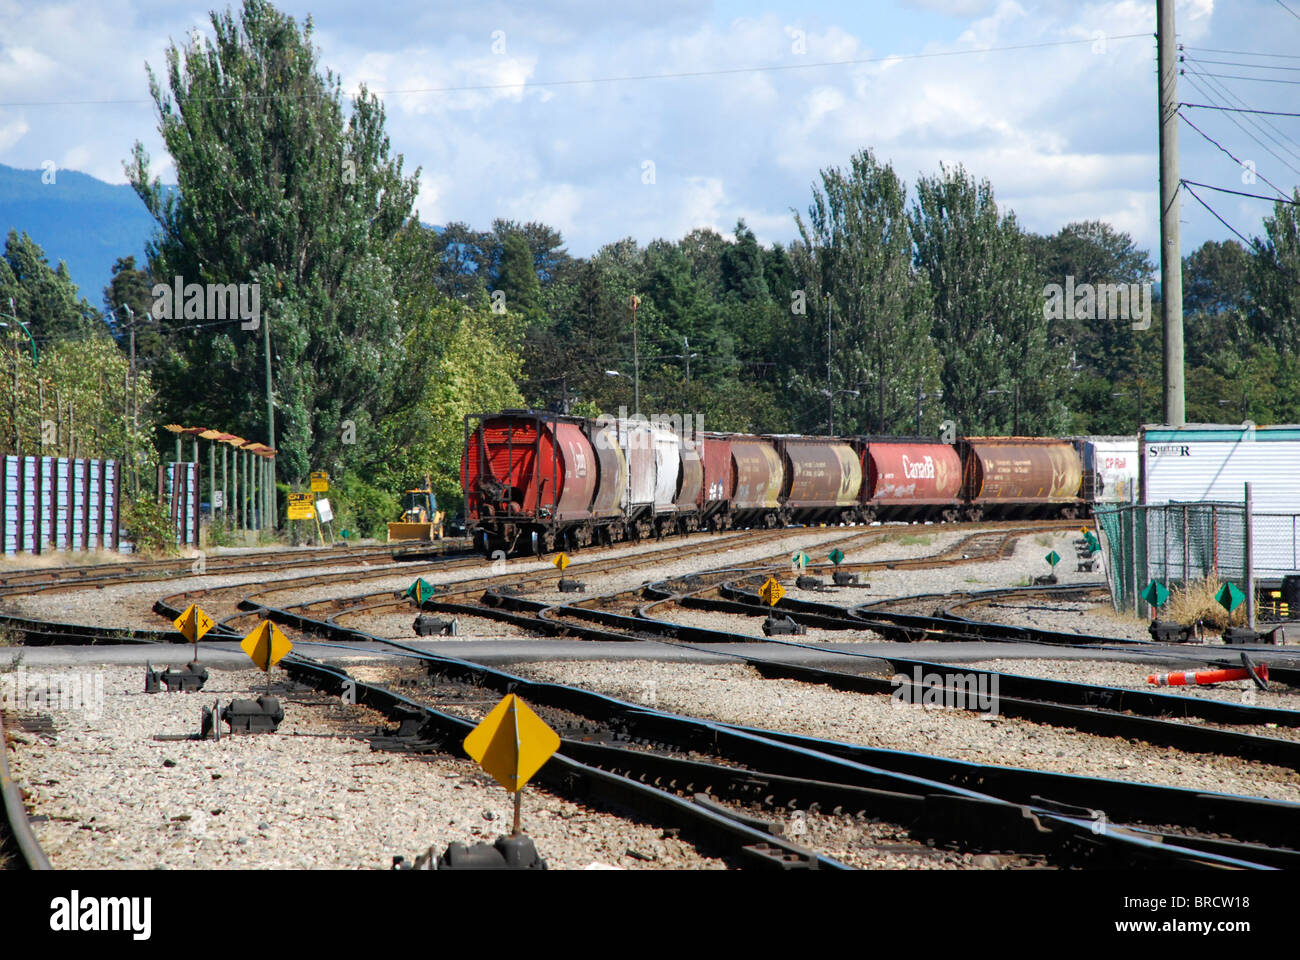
1195, 601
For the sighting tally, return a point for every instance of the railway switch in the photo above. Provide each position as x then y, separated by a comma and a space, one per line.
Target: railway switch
775, 626
1247, 635
1171, 631
842, 578
262, 715
508, 853
572, 586
810, 583
427, 626
188, 678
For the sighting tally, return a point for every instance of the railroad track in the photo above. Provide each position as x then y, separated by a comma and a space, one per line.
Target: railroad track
1143, 824
20, 582
648, 777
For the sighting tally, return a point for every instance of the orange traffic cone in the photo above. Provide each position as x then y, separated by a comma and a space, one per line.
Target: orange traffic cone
1201, 678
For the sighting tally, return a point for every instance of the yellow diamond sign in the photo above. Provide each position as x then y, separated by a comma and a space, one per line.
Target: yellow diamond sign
193, 623
561, 560
771, 591
266, 645
512, 743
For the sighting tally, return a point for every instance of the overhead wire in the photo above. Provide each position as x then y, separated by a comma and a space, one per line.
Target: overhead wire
1229, 96
578, 81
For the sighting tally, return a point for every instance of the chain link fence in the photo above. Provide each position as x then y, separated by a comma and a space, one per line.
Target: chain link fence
1180, 543
1175, 543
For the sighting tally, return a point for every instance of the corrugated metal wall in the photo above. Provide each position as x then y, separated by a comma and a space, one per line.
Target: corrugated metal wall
58, 503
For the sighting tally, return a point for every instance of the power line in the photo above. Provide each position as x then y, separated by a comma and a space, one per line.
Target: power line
1271, 113
1288, 9
1257, 124
1242, 103
1244, 53
1229, 76
691, 74
1249, 66
1192, 78
1242, 193
1229, 153
1253, 244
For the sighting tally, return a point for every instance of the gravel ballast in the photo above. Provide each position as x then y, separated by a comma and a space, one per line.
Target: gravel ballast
307, 796
737, 694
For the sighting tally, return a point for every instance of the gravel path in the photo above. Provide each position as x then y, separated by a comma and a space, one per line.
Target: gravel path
305, 797
737, 694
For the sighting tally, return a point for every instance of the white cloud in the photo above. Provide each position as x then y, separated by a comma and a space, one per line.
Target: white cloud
1062, 132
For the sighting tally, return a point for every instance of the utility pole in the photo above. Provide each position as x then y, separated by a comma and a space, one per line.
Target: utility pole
830, 396
1171, 258
270, 404
636, 359
135, 405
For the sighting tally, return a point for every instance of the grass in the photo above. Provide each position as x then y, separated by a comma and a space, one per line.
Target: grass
1195, 601
974, 580
913, 539
1045, 539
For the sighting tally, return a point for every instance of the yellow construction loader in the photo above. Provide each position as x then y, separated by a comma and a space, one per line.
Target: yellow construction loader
421, 518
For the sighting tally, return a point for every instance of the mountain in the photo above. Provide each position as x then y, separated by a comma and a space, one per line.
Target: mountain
84, 222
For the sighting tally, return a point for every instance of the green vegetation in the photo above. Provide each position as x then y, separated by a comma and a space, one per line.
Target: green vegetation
148, 526
385, 333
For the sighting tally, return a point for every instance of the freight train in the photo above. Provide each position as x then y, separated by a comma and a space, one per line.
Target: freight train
536, 481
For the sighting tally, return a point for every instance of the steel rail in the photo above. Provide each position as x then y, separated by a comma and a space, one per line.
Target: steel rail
17, 827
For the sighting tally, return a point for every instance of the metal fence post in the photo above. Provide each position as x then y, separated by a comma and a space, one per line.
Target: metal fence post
1186, 550
1250, 560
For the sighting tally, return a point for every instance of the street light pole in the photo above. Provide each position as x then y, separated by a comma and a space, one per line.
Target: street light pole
10, 315
636, 359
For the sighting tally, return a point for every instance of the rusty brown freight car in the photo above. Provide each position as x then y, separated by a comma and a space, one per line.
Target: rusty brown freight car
1020, 477
822, 479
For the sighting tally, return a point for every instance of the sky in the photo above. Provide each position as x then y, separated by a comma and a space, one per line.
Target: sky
482, 98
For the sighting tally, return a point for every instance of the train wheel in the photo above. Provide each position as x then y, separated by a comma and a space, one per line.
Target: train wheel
951, 515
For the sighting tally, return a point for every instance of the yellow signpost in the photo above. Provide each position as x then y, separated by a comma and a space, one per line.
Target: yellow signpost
561, 560
320, 481
511, 744
266, 645
193, 624
771, 591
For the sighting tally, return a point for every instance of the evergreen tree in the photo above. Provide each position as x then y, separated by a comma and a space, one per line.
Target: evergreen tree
987, 303
276, 187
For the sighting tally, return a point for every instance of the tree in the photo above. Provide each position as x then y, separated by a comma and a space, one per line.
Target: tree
517, 281
471, 361
854, 261
1275, 277
987, 304
276, 188
129, 300
44, 298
